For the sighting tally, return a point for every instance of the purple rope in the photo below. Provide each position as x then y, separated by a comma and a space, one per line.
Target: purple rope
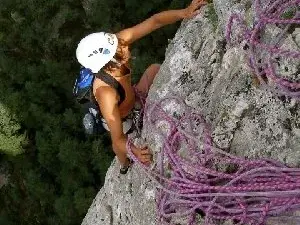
254, 191
264, 67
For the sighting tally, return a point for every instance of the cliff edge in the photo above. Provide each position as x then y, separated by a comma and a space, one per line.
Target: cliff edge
214, 77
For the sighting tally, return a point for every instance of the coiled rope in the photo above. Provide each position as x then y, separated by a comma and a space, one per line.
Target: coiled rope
203, 179
246, 191
263, 57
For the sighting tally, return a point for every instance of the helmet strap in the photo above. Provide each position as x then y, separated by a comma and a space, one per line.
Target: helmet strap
116, 62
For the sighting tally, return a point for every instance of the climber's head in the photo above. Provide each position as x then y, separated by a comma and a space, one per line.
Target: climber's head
100, 50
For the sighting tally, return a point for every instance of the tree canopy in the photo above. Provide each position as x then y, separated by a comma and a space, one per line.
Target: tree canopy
55, 170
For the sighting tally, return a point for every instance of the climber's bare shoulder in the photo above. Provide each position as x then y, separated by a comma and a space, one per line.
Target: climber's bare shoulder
105, 94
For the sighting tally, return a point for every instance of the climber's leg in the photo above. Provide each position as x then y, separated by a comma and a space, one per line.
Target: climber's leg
146, 80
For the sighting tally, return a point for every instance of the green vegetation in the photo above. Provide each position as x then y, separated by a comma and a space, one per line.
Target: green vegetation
10, 139
212, 16
59, 170
289, 13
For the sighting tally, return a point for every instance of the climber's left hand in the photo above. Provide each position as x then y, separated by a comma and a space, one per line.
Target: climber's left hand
144, 154
194, 8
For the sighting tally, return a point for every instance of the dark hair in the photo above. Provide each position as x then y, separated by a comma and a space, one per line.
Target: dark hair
122, 56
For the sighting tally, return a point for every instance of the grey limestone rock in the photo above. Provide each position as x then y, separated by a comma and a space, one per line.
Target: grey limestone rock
124, 199
213, 78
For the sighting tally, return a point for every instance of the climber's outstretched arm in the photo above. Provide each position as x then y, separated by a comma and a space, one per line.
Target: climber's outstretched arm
107, 99
158, 20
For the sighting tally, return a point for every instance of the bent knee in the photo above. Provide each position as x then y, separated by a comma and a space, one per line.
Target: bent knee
153, 69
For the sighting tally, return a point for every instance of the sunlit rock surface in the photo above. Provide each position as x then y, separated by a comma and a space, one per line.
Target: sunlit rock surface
214, 78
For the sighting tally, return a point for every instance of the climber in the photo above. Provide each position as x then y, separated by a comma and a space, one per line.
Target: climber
108, 54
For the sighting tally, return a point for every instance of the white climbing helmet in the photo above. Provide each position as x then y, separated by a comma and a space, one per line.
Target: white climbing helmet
96, 50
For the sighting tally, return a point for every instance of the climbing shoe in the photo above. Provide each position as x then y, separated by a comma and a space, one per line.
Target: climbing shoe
124, 169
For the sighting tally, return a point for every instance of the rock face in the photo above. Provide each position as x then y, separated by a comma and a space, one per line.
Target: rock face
214, 78
124, 199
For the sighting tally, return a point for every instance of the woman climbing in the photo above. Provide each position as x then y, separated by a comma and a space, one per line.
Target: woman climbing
107, 56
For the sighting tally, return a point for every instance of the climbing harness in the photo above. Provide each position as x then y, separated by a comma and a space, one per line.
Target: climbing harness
93, 122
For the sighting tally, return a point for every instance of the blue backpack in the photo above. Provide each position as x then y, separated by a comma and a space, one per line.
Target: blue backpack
83, 91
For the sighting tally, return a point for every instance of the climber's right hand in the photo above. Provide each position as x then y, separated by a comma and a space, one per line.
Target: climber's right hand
143, 155
194, 8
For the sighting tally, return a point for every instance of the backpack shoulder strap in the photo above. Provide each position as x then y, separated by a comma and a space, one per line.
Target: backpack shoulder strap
111, 81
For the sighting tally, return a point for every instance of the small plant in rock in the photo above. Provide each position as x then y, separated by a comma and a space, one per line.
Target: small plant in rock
211, 14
